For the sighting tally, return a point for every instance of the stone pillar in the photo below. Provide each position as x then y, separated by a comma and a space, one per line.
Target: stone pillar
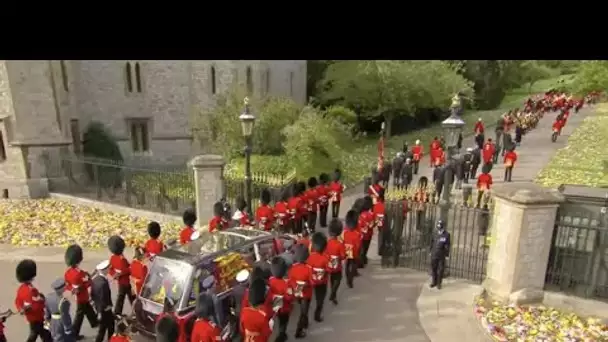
521, 231
208, 184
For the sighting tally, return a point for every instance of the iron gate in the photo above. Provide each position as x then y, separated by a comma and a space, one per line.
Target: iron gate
411, 226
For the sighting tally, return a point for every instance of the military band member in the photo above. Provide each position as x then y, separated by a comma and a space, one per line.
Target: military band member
189, 218
281, 298
241, 217
352, 246
139, 271
376, 185
488, 152
122, 332
102, 297
366, 226
335, 191
281, 212
323, 193
205, 329
300, 284
440, 250
293, 207
120, 271
417, 154
57, 313
255, 323
336, 252
509, 160
312, 197
29, 302
435, 145
217, 223
319, 262
167, 329
264, 215
303, 204
154, 245
78, 283
484, 183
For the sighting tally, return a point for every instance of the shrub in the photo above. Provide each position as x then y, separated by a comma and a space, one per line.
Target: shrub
101, 145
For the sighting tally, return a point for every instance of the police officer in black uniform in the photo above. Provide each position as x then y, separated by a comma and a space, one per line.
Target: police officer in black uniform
440, 250
102, 297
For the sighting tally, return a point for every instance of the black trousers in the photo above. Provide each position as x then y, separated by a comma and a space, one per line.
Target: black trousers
106, 325
311, 219
37, 330
82, 310
351, 270
437, 270
2, 338
508, 173
335, 209
474, 168
123, 291
323, 213
334, 284
416, 164
296, 226
303, 319
320, 292
283, 323
364, 249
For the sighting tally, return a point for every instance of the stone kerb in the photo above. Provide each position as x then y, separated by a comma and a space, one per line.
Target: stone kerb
522, 227
208, 184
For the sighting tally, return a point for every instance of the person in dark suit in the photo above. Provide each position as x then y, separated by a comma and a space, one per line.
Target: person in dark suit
102, 297
440, 250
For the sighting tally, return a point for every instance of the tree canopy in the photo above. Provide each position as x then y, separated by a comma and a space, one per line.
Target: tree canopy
591, 76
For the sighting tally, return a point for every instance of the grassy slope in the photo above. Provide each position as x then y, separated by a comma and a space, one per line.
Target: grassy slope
581, 162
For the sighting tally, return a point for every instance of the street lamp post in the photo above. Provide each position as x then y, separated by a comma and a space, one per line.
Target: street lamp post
247, 122
452, 127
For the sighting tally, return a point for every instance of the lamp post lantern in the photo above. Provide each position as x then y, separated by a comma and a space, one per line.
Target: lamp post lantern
452, 127
247, 122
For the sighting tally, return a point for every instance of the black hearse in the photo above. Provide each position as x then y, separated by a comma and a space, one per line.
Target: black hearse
179, 272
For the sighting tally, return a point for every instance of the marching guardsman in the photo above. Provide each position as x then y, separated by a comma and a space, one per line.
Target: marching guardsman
435, 145
78, 283
189, 218
335, 193
120, 270
484, 182
440, 250
281, 212
154, 245
376, 185
241, 217
217, 223
352, 245
366, 227
57, 313
29, 302
264, 215
303, 239
139, 271
255, 323
417, 153
323, 193
293, 207
122, 332
167, 329
510, 159
300, 284
488, 152
102, 297
336, 252
479, 135
378, 211
312, 204
319, 261
303, 204
280, 296
204, 328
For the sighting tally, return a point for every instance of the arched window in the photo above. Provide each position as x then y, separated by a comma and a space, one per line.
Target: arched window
138, 77
249, 81
213, 84
128, 78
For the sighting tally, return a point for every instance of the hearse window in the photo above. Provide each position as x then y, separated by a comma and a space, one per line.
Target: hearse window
267, 250
167, 277
248, 254
197, 286
209, 243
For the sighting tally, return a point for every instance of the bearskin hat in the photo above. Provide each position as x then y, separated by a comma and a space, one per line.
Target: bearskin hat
368, 203
204, 306
26, 271
278, 267
265, 196
189, 217
258, 273
116, 245
240, 203
167, 329
257, 292
335, 227
285, 194
351, 219
324, 178
358, 205
218, 209
337, 174
73, 255
312, 182
301, 187
423, 182
300, 253
318, 242
486, 168
154, 229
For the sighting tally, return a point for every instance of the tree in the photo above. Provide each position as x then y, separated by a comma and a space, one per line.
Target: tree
384, 89
532, 71
591, 76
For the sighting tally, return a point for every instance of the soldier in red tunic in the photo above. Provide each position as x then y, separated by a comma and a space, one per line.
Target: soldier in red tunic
120, 270
218, 222
189, 218
300, 285
319, 262
255, 324
139, 271
352, 245
264, 215
204, 329
241, 216
335, 194
154, 245
336, 252
78, 282
323, 193
279, 294
293, 206
312, 205
366, 226
29, 302
281, 213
